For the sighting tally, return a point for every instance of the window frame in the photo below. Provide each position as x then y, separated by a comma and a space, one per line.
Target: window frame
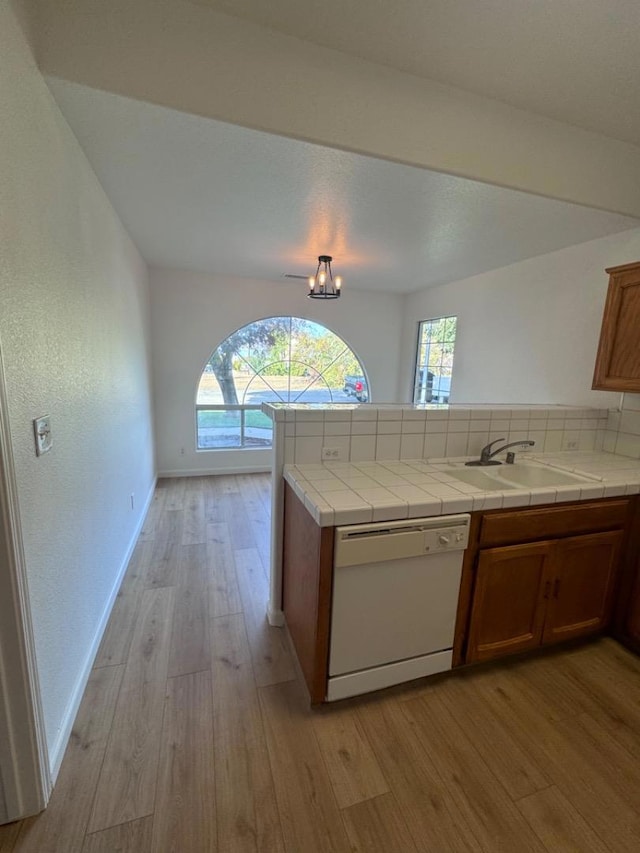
318, 381
417, 364
242, 426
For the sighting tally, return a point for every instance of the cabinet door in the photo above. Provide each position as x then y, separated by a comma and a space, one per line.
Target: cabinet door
583, 572
632, 624
618, 360
507, 614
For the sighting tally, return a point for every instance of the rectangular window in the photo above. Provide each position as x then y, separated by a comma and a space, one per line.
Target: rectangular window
434, 360
225, 427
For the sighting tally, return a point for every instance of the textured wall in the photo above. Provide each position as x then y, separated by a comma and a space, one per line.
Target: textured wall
74, 334
192, 313
528, 333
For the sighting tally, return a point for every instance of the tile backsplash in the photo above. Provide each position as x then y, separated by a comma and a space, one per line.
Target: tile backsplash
622, 432
369, 432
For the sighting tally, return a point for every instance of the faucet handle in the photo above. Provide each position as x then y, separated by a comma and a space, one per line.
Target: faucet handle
486, 450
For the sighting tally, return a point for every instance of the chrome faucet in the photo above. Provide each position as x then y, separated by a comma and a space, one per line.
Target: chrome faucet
486, 454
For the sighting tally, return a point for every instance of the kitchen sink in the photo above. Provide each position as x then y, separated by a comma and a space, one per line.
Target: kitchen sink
534, 476
474, 477
517, 476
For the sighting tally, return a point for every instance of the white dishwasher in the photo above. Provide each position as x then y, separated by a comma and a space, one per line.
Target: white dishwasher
395, 596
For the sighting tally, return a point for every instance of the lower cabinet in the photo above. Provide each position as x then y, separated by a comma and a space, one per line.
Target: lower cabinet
540, 593
632, 621
507, 613
626, 623
531, 577
580, 593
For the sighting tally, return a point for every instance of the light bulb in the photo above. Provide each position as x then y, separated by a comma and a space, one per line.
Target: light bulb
322, 278
312, 282
338, 281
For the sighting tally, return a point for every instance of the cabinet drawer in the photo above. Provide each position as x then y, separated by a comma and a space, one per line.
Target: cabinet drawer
528, 525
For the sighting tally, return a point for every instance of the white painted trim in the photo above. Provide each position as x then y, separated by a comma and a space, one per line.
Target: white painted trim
275, 617
275, 605
24, 763
207, 472
379, 677
64, 733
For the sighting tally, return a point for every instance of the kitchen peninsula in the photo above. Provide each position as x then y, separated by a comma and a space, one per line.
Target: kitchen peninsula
586, 520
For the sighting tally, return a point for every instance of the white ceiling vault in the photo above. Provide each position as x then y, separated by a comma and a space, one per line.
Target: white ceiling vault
577, 61
201, 194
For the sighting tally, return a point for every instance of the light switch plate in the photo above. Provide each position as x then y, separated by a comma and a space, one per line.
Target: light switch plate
42, 433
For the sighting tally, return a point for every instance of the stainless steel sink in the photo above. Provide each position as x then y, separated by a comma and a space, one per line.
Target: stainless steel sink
518, 476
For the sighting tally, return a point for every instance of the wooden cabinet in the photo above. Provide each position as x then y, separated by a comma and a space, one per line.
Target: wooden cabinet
626, 627
632, 621
506, 616
547, 591
581, 585
307, 574
618, 359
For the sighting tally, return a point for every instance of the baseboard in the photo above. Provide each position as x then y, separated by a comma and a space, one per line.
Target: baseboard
57, 752
275, 616
209, 472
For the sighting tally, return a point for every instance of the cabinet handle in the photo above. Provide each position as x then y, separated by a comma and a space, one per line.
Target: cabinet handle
556, 587
547, 589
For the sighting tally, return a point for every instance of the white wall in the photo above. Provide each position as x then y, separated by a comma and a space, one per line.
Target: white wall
192, 313
527, 333
74, 332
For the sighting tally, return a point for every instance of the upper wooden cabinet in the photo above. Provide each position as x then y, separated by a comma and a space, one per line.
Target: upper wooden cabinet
618, 360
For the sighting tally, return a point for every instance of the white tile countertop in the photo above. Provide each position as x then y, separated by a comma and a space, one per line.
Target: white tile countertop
359, 492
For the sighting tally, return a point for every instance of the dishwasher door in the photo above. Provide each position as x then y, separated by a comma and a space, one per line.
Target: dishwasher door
395, 597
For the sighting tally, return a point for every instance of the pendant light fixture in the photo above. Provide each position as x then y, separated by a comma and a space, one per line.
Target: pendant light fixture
322, 285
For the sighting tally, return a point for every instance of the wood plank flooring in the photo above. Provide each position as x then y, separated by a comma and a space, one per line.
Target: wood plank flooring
195, 734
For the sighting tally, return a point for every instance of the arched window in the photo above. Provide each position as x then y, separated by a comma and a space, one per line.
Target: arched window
277, 360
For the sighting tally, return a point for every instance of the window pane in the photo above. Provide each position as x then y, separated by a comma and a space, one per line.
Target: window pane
315, 392
301, 377
209, 390
434, 362
264, 389
218, 429
258, 429
279, 359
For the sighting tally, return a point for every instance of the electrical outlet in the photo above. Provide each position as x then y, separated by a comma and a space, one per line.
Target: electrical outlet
570, 444
332, 454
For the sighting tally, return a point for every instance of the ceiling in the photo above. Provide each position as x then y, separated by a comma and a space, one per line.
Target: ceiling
577, 61
204, 195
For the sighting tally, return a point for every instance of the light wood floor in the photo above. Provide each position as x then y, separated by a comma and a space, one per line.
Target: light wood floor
194, 734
